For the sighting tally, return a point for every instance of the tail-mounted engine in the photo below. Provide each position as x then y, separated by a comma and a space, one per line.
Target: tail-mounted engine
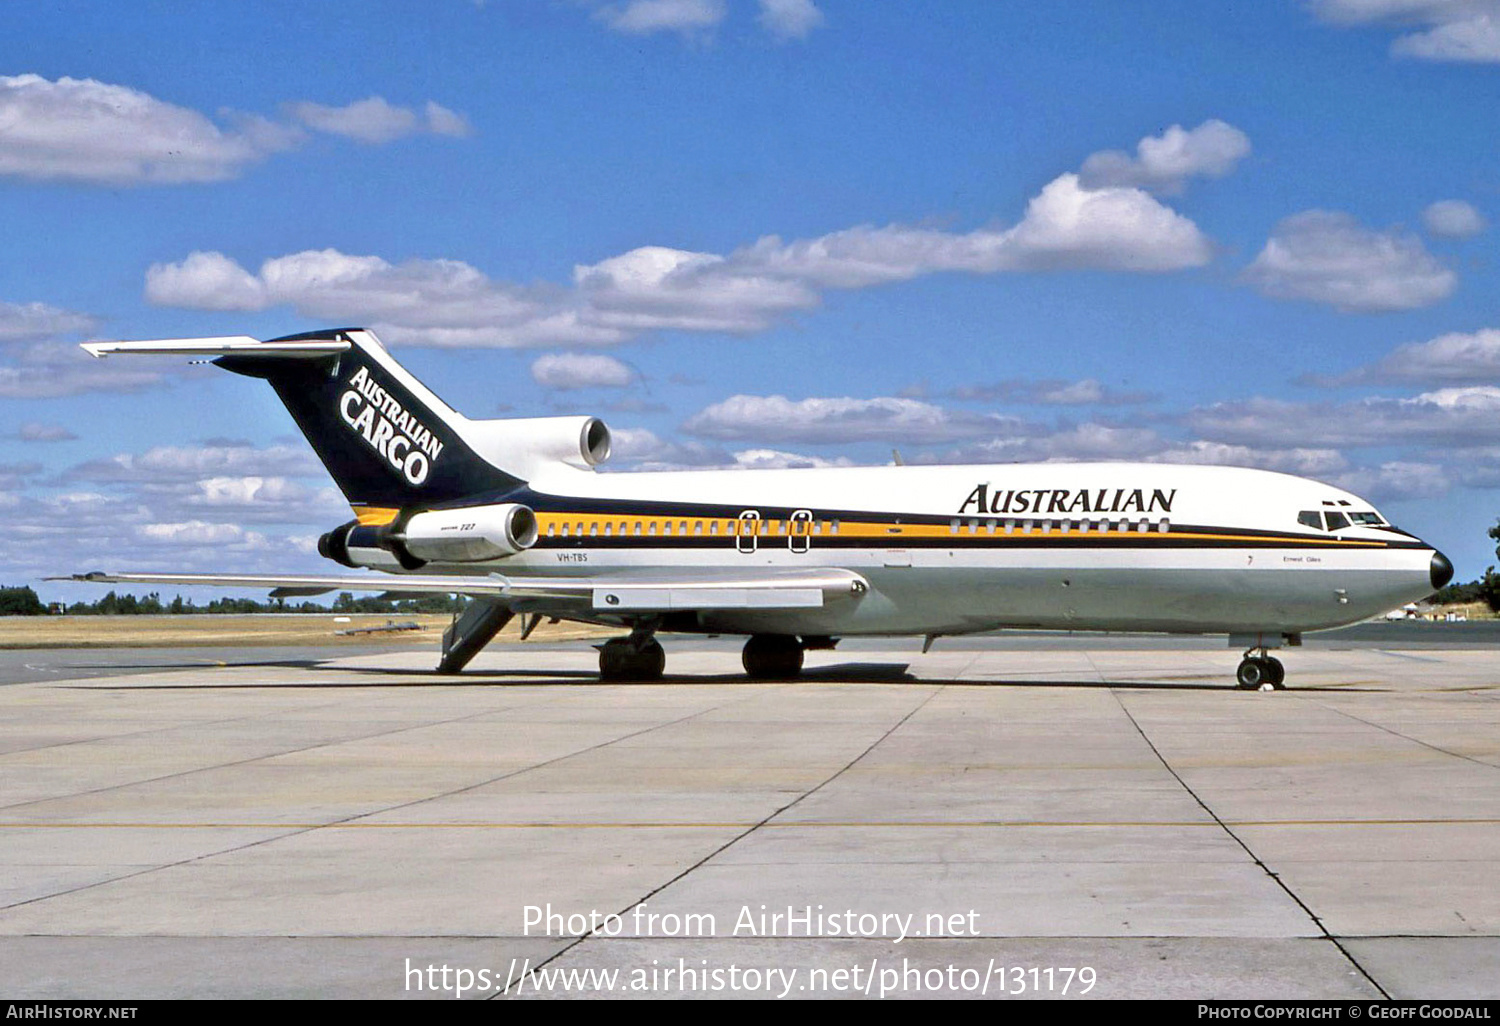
470, 534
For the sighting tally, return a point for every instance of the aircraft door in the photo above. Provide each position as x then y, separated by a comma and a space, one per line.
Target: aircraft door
748, 528
799, 531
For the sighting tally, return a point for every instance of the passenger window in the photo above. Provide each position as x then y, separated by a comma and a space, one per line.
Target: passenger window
1310, 518
1336, 521
1164, 525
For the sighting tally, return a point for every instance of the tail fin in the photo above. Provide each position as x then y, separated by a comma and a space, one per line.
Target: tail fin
386, 439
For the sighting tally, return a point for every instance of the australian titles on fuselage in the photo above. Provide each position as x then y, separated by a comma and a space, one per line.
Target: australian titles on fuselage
1066, 500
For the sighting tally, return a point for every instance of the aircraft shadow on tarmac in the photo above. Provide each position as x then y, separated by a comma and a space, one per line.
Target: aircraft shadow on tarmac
854, 673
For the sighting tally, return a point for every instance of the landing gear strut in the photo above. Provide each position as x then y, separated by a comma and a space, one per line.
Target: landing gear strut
772, 656
638, 657
1260, 672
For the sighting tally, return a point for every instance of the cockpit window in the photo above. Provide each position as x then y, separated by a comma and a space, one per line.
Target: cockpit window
1367, 519
1310, 518
1336, 521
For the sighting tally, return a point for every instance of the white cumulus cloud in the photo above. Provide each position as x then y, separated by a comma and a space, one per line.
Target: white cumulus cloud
439, 302
205, 281
88, 131
1462, 417
819, 421
33, 322
1453, 219
643, 17
36, 431
1329, 257
789, 19
1446, 30
564, 371
374, 120
1164, 163
1456, 358
83, 130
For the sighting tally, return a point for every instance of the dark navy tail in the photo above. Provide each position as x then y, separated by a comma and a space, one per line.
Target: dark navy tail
386, 439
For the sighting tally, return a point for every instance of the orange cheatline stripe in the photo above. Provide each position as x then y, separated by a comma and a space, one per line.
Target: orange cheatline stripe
727, 527
624, 526
374, 516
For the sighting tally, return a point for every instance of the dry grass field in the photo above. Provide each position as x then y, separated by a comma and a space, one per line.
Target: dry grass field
261, 629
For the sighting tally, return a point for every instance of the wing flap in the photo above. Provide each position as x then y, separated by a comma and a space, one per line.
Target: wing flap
666, 599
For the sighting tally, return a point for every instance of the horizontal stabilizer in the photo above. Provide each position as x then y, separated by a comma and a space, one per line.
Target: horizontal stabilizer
229, 345
606, 593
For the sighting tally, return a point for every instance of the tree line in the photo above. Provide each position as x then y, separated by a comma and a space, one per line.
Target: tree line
23, 601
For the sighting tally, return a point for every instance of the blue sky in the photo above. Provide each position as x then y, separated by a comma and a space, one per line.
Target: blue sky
750, 233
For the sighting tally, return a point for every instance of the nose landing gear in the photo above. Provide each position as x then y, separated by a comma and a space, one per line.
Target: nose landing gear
1260, 673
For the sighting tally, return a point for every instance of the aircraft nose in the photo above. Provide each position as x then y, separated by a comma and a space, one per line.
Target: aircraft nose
1441, 570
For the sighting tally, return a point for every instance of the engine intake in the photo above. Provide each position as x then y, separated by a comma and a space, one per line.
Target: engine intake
529, 446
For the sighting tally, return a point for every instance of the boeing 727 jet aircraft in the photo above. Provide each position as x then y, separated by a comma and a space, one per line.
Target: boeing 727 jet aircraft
513, 514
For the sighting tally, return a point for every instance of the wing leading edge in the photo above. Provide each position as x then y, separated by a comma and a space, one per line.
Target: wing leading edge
625, 593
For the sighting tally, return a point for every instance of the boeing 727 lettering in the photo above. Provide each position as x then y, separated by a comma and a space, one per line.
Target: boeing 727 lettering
514, 514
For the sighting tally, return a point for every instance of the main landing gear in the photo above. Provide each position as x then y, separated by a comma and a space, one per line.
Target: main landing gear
638, 657
766, 656
772, 656
1260, 672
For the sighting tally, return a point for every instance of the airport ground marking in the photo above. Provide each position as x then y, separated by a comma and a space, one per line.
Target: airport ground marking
1260, 863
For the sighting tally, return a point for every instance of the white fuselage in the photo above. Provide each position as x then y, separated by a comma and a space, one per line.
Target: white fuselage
953, 549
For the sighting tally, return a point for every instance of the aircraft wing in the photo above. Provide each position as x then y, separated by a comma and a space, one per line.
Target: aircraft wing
620, 591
